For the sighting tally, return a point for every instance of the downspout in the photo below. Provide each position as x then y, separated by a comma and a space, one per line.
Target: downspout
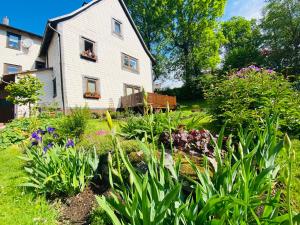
61, 70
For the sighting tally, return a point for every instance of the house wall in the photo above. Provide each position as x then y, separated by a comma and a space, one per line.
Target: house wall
96, 24
25, 58
54, 62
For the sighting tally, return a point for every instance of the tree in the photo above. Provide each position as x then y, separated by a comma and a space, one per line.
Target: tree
281, 25
182, 34
26, 91
243, 40
195, 37
151, 18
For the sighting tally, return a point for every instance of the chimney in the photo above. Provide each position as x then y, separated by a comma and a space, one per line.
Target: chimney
5, 21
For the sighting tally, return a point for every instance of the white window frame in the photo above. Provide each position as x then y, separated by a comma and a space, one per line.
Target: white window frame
114, 21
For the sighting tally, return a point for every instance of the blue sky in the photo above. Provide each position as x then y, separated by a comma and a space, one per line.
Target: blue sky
32, 15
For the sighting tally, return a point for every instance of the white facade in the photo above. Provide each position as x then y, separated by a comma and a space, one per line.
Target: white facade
95, 23
24, 57
61, 50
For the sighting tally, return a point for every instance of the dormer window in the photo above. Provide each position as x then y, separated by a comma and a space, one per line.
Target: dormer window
13, 41
88, 49
117, 27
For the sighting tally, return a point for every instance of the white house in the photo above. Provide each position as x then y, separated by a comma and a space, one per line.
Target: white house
92, 56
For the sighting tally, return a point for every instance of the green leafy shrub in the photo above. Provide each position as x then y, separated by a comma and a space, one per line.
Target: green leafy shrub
59, 170
74, 124
20, 129
241, 190
253, 93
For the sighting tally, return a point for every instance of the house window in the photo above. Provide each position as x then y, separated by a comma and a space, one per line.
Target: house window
117, 27
40, 65
13, 41
131, 89
12, 69
91, 86
88, 50
130, 63
54, 87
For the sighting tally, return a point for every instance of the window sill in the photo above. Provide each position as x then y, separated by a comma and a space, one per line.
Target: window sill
14, 48
92, 95
130, 70
89, 58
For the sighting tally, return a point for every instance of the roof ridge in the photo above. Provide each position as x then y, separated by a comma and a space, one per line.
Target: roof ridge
56, 20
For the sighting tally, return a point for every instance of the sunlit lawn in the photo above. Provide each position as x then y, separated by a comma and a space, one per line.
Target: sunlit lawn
16, 206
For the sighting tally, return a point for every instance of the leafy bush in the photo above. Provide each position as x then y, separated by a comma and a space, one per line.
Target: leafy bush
20, 129
74, 125
253, 93
59, 170
242, 190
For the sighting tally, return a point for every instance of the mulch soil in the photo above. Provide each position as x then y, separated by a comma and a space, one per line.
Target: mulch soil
76, 210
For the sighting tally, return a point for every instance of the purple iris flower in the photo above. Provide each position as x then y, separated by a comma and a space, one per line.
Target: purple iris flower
36, 136
46, 148
50, 130
40, 131
34, 143
70, 143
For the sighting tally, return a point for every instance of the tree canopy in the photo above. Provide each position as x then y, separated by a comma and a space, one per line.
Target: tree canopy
185, 33
281, 26
243, 40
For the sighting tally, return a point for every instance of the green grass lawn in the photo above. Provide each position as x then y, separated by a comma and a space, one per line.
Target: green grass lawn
97, 124
16, 206
194, 105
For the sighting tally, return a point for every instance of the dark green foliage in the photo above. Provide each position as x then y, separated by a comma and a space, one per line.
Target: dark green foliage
74, 124
243, 43
252, 94
195, 90
280, 23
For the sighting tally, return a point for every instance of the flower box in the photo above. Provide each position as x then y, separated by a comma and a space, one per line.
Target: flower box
88, 55
92, 95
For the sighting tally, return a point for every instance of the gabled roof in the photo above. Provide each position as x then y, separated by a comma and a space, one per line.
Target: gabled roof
53, 23
20, 31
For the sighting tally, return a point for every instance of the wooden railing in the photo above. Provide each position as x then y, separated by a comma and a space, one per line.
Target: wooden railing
157, 101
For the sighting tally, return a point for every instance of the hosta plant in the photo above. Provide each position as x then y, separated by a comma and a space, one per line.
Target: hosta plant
59, 170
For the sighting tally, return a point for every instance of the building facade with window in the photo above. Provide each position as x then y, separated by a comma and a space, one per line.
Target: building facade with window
19, 52
96, 55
